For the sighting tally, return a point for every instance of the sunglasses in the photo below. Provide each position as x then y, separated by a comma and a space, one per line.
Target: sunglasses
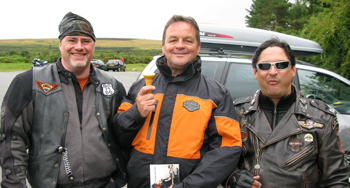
280, 65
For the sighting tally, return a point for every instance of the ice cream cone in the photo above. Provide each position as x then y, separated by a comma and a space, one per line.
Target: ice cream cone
148, 78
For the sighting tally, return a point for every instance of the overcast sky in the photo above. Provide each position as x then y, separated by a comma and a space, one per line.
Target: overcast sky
140, 19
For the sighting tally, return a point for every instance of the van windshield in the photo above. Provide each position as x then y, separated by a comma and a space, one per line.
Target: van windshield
330, 90
240, 80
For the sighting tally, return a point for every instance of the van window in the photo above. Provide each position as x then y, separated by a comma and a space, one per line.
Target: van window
324, 87
209, 69
240, 80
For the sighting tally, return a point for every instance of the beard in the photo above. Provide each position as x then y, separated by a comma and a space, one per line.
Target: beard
78, 64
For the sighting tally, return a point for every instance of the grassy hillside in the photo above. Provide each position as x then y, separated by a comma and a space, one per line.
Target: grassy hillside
110, 43
23, 51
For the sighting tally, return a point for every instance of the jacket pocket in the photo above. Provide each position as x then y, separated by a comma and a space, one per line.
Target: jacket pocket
300, 156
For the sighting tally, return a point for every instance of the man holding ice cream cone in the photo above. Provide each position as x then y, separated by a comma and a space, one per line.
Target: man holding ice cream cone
183, 118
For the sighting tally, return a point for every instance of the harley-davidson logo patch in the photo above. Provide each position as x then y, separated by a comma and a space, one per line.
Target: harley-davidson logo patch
46, 87
191, 106
295, 145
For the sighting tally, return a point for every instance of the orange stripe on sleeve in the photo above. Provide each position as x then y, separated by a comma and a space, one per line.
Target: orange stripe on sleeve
229, 130
124, 107
141, 143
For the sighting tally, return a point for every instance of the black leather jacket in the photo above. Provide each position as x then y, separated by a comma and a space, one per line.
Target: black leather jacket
303, 150
34, 117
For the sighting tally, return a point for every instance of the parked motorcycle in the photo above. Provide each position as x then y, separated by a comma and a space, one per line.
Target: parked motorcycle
37, 63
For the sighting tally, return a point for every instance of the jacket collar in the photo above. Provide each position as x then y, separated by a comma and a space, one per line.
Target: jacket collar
287, 126
300, 99
65, 74
283, 104
191, 70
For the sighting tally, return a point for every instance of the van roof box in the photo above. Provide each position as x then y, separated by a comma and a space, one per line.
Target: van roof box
245, 40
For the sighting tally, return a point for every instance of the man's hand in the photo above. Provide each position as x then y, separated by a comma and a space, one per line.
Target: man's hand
145, 101
244, 179
256, 184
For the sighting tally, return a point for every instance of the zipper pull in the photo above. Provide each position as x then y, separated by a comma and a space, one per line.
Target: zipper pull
257, 166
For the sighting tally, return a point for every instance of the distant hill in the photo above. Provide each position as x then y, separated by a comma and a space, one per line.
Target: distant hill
100, 42
115, 39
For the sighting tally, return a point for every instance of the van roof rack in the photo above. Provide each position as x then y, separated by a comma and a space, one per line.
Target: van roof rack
218, 39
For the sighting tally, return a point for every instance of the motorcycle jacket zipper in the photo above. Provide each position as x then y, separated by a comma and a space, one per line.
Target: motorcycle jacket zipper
274, 116
294, 160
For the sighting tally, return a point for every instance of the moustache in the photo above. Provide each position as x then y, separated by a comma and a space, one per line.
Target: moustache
180, 52
273, 78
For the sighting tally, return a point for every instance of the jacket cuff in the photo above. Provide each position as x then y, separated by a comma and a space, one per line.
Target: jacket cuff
135, 115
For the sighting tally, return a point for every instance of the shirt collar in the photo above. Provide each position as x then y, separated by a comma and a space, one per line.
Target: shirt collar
65, 74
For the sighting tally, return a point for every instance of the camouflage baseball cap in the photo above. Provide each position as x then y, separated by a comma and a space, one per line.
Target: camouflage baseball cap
75, 25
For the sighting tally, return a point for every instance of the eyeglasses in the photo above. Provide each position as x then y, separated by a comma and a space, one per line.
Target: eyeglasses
280, 65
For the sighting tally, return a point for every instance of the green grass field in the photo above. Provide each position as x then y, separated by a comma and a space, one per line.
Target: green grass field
17, 54
9, 67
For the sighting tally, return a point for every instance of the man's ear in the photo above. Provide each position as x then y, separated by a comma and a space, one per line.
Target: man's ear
294, 69
255, 72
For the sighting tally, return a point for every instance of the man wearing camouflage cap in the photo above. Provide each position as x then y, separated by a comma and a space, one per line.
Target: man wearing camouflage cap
62, 115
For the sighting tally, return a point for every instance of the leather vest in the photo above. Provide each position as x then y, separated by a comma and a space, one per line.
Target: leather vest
50, 125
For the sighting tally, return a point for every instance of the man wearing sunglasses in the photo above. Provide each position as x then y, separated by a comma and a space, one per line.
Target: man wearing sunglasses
288, 139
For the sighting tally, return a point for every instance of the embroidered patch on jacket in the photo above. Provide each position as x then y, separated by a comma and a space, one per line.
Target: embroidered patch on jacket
295, 145
309, 124
331, 110
242, 122
107, 89
240, 113
46, 87
244, 135
3, 111
336, 130
335, 123
308, 137
191, 106
339, 145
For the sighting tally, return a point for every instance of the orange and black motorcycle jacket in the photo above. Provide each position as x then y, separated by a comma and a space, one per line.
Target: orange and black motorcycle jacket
194, 125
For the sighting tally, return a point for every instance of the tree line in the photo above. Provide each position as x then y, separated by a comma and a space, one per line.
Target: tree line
324, 21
